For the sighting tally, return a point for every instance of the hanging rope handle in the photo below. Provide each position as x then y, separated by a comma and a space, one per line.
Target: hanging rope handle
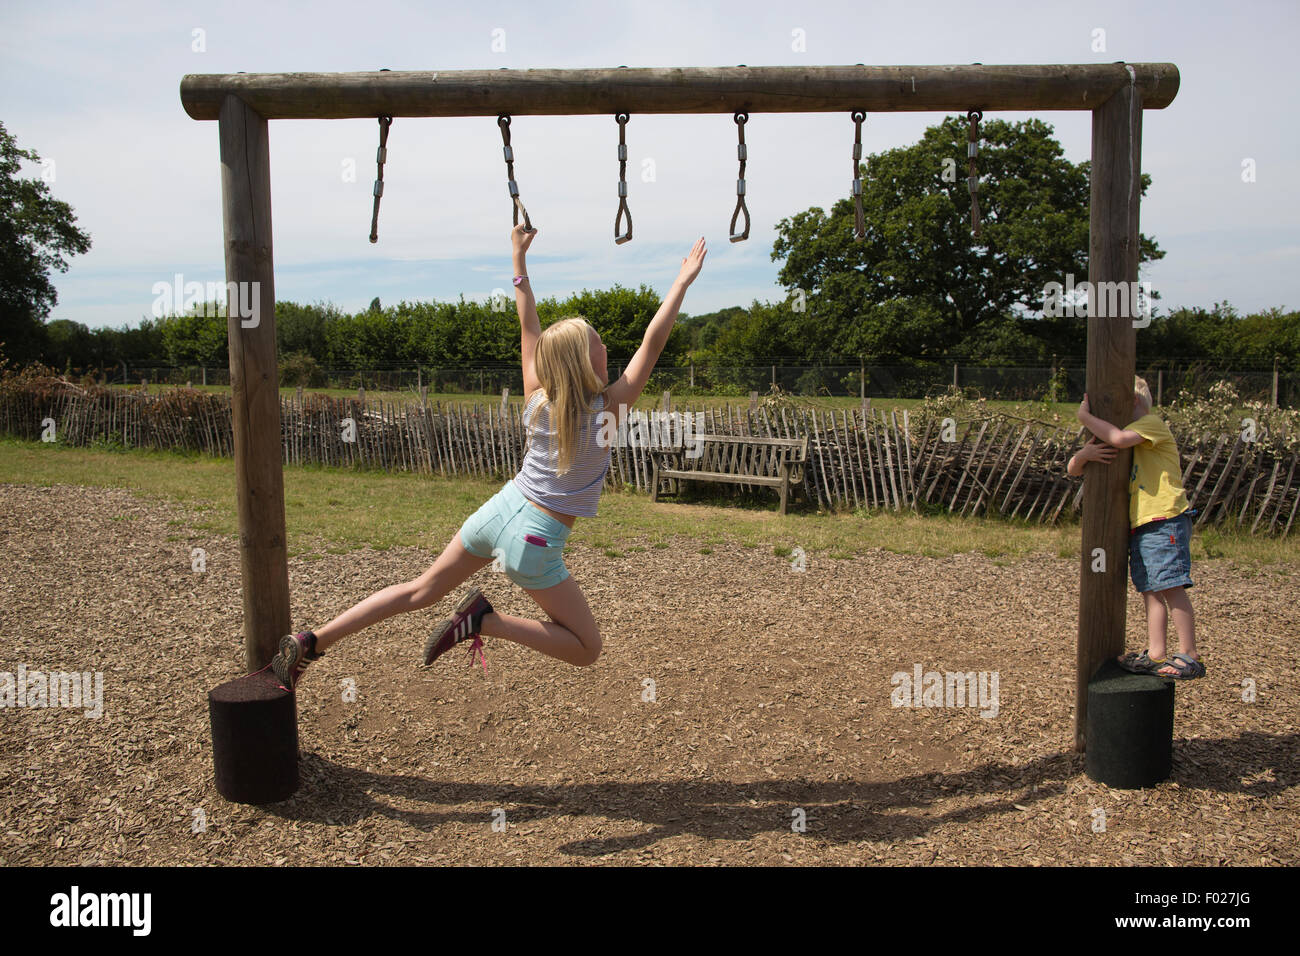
859, 221
973, 178
381, 156
503, 121
621, 119
741, 119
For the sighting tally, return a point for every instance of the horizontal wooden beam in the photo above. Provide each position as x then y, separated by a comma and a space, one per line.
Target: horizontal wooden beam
760, 89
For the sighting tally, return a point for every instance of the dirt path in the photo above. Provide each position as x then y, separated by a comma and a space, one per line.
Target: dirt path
772, 700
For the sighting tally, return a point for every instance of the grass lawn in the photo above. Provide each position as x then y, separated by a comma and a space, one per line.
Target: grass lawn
340, 510
652, 398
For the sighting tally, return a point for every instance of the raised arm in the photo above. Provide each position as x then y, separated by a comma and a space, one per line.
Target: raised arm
622, 394
1110, 434
526, 305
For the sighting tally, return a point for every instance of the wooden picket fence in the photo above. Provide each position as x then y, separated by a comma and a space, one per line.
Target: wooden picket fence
857, 457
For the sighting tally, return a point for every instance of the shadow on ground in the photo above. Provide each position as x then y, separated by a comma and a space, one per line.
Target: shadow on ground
1259, 765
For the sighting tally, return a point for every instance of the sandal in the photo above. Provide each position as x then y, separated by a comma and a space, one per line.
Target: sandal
1141, 663
1188, 667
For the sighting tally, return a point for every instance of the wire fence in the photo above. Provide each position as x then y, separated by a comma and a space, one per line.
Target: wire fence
1060, 383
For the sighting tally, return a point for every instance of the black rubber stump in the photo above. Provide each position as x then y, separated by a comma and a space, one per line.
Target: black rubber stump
1130, 729
254, 739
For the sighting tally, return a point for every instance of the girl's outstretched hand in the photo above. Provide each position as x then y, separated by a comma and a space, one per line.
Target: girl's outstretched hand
521, 238
692, 263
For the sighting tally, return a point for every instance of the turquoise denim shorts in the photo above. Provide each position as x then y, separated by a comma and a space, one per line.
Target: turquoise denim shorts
1160, 554
528, 543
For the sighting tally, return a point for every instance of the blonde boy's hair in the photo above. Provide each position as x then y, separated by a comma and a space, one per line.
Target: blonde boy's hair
1142, 392
563, 366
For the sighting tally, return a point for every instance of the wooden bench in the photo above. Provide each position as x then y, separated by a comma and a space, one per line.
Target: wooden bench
734, 459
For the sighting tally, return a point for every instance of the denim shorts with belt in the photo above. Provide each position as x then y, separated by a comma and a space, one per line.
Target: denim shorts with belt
527, 542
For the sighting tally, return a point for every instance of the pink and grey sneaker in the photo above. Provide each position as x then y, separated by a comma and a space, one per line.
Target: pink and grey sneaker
462, 626
296, 652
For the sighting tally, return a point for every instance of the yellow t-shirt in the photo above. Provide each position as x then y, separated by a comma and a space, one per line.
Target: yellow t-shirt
1155, 483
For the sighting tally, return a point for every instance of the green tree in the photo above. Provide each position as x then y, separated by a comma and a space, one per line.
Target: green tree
200, 337
69, 344
302, 328
919, 284
620, 315
703, 330
36, 232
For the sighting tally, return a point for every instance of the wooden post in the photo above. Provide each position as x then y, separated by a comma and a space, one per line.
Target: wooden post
668, 401
753, 401
693, 374
862, 378
1275, 381
954, 375
1112, 354
254, 380
1160, 387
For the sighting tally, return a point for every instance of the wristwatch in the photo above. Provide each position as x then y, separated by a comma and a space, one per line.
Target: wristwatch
519, 279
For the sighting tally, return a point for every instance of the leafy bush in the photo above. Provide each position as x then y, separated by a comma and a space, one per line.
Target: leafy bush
1222, 412
778, 399
1057, 387
300, 369
956, 403
813, 381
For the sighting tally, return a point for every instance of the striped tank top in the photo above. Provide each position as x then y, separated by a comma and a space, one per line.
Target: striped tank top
577, 491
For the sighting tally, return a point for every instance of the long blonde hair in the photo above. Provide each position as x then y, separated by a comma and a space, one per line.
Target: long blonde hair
569, 383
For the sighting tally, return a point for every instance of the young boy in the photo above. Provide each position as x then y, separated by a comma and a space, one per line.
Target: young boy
1160, 523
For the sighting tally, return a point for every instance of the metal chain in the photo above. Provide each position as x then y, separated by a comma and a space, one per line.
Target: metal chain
503, 121
973, 178
859, 222
381, 156
621, 119
741, 119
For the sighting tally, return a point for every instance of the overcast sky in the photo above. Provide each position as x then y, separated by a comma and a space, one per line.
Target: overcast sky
94, 88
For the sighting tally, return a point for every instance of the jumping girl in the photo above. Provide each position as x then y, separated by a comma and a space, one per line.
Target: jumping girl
566, 388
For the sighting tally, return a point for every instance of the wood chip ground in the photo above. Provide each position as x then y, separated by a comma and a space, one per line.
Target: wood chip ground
773, 696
